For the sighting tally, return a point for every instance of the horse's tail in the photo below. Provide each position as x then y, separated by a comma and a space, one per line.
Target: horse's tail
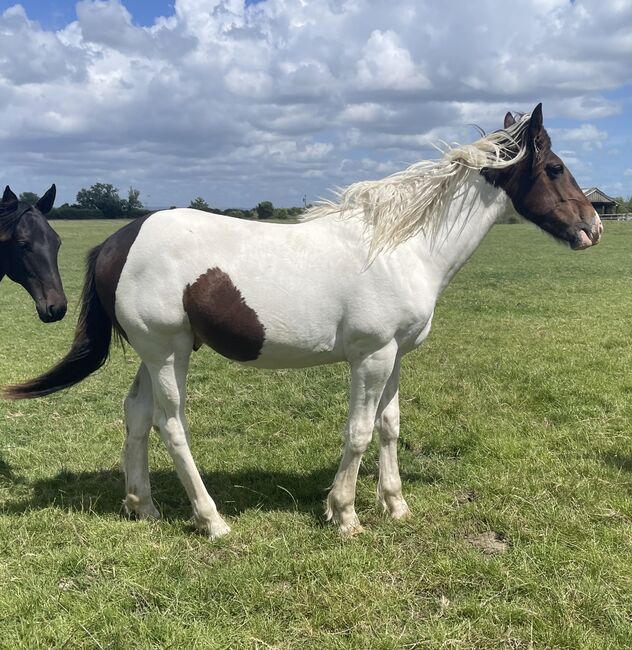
89, 350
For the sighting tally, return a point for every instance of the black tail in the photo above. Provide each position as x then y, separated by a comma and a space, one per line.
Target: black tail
89, 349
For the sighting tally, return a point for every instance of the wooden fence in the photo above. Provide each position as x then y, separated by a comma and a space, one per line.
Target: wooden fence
626, 216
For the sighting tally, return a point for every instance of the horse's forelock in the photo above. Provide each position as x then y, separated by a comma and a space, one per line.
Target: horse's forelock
10, 217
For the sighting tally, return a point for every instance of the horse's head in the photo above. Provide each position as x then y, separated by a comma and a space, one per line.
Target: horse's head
544, 191
28, 252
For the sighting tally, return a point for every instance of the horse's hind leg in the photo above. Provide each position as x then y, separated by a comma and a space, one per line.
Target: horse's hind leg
168, 361
389, 487
139, 408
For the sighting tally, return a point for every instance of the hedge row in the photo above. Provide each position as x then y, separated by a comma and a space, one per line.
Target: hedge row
72, 212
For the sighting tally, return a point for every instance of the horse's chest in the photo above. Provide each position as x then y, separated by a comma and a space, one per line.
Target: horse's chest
414, 335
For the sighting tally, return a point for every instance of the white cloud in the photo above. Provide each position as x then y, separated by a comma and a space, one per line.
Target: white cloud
587, 135
280, 98
386, 65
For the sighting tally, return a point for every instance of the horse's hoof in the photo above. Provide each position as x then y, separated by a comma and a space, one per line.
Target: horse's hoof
395, 506
401, 512
350, 529
214, 529
138, 510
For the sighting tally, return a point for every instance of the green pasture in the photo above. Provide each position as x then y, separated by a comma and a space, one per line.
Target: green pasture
516, 457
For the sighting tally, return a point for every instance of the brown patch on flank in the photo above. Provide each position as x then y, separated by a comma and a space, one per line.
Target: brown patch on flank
109, 265
220, 317
489, 543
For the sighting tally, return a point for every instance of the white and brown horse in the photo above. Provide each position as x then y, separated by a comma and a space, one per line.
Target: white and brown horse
357, 281
28, 252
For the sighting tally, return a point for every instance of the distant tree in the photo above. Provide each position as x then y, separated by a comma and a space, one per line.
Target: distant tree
623, 206
265, 210
281, 213
236, 212
29, 197
199, 204
103, 197
133, 201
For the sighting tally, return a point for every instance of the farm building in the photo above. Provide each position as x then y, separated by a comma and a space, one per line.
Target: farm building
603, 203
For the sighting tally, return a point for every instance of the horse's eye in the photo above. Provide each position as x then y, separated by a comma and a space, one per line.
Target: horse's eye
24, 245
554, 170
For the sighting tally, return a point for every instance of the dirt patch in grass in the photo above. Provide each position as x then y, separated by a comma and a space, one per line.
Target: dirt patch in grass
489, 543
464, 497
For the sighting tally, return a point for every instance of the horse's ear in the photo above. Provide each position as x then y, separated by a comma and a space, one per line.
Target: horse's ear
45, 204
510, 120
535, 122
8, 196
8, 205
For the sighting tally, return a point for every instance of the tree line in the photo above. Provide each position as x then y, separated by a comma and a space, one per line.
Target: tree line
623, 206
264, 210
103, 201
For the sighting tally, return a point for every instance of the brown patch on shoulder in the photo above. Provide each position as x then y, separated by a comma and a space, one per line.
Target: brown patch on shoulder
220, 317
110, 263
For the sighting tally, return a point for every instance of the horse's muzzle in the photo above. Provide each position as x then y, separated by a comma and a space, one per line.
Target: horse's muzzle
53, 310
587, 234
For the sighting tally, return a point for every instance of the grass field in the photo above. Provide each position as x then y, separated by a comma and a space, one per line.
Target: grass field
516, 424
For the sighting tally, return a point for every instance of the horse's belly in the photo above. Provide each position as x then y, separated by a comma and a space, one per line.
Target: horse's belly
297, 354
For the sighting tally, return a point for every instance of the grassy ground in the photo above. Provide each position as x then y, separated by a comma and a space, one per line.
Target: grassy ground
516, 421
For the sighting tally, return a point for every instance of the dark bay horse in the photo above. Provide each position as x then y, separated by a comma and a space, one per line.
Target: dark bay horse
28, 252
357, 281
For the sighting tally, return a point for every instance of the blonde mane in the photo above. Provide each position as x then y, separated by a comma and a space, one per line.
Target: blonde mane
416, 199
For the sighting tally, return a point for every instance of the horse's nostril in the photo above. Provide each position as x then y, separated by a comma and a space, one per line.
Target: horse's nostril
56, 311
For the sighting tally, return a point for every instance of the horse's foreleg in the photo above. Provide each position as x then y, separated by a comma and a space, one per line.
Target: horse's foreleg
368, 378
169, 384
138, 407
389, 487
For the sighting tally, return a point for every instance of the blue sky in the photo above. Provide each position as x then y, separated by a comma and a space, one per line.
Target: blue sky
55, 14
241, 102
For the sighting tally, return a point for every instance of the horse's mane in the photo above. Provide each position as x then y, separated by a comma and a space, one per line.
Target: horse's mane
416, 199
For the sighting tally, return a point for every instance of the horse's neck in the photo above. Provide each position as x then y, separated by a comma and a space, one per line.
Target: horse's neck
472, 212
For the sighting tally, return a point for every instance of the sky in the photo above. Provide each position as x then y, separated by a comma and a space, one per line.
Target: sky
240, 102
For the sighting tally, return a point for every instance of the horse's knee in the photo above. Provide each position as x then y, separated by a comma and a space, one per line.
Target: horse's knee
172, 432
359, 437
388, 426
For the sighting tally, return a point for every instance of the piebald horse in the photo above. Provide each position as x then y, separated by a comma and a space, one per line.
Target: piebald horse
356, 281
28, 252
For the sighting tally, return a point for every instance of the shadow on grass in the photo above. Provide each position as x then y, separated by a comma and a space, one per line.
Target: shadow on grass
7, 475
617, 461
102, 492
